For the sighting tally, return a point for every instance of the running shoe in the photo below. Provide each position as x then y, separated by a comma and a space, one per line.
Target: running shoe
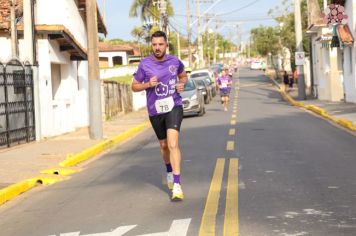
170, 180
177, 193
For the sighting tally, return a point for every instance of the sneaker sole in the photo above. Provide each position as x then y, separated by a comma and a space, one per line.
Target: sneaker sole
177, 198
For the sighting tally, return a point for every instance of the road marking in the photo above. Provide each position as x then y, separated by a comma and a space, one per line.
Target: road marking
233, 122
117, 232
207, 226
233, 116
230, 145
178, 228
232, 131
231, 221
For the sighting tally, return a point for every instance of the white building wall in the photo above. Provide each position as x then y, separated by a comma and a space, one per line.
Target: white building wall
114, 72
5, 49
45, 87
81, 104
110, 55
349, 56
70, 107
63, 12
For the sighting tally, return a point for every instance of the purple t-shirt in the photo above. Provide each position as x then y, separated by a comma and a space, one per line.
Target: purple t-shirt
224, 81
162, 98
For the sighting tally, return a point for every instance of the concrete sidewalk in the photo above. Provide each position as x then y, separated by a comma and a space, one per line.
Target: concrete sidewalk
340, 113
28, 160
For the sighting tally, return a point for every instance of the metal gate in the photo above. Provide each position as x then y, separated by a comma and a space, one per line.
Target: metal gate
17, 116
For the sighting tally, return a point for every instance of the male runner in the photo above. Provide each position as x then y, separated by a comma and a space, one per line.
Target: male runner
163, 77
224, 82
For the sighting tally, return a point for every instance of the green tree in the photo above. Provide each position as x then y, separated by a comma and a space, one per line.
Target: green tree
286, 26
265, 40
147, 11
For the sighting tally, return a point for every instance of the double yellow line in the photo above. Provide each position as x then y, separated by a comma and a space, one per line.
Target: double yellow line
231, 221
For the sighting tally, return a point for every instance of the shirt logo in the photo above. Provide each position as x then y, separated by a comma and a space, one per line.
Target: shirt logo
161, 90
173, 69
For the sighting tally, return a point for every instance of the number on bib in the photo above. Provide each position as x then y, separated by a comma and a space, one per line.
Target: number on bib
164, 105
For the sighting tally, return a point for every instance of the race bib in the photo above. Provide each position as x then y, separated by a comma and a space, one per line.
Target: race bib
164, 105
224, 85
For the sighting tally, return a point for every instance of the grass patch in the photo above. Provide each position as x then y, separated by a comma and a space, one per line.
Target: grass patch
127, 79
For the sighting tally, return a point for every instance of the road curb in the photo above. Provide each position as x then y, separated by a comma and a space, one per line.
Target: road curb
57, 174
75, 159
12, 191
315, 109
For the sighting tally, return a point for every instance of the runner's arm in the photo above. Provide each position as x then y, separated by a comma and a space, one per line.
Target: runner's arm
182, 80
183, 77
138, 87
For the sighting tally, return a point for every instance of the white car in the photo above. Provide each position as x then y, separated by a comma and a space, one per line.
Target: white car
256, 65
205, 73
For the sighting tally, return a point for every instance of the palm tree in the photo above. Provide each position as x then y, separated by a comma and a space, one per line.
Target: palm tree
139, 34
147, 10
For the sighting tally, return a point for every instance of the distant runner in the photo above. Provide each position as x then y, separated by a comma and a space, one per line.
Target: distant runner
224, 83
163, 77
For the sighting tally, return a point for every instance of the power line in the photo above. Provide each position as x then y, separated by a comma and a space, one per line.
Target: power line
239, 9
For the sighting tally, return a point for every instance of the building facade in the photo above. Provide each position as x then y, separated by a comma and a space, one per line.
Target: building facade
333, 52
61, 53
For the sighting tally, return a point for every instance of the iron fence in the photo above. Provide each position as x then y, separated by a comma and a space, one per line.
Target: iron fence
17, 117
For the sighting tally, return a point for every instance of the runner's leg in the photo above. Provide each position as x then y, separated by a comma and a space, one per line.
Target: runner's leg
164, 150
174, 150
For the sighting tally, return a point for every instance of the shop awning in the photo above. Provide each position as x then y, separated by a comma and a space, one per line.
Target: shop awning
65, 39
345, 35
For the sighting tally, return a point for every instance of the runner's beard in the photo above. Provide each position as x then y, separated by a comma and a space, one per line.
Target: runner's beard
159, 54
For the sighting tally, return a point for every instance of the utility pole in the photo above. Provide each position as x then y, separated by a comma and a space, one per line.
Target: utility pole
13, 29
104, 8
299, 47
200, 39
30, 56
215, 41
95, 112
189, 33
178, 45
237, 41
28, 31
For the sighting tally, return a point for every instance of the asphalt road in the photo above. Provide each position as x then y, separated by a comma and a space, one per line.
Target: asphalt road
262, 168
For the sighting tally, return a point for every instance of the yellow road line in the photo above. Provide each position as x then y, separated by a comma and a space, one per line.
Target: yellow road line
233, 122
230, 146
232, 131
231, 221
208, 222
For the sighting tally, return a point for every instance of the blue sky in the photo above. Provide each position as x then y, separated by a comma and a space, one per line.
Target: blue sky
246, 13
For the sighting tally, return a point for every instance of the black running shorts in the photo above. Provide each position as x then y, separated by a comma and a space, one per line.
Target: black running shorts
224, 94
170, 120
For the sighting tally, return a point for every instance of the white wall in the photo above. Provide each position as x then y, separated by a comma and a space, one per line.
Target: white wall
5, 49
349, 56
63, 12
139, 100
110, 55
69, 108
119, 71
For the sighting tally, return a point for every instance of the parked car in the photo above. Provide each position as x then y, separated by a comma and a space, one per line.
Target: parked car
193, 99
203, 85
206, 73
256, 65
